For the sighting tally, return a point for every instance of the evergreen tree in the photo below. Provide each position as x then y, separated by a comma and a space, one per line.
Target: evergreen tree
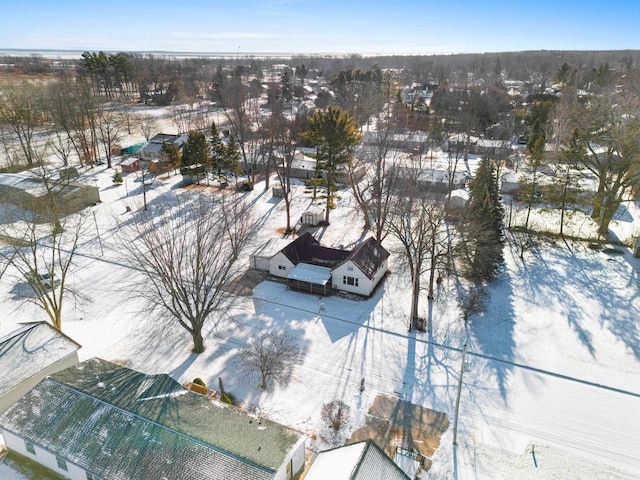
483, 239
232, 157
170, 155
196, 151
117, 178
335, 134
218, 161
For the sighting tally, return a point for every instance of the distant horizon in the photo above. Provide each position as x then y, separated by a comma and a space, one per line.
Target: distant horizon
53, 53
320, 27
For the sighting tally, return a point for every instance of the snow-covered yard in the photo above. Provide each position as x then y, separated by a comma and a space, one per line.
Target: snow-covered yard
553, 384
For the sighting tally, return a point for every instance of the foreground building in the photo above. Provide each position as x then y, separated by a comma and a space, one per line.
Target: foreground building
30, 353
100, 420
358, 461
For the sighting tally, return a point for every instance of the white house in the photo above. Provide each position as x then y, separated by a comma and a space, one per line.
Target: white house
151, 151
101, 420
363, 270
355, 271
29, 354
358, 461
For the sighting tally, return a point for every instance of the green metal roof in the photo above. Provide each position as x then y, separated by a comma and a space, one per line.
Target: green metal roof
95, 412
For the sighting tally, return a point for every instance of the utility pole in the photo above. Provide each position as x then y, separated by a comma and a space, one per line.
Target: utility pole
98, 232
455, 418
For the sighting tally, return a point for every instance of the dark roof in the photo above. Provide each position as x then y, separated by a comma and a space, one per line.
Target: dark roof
375, 464
29, 350
357, 461
369, 256
164, 138
306, 249
91, 413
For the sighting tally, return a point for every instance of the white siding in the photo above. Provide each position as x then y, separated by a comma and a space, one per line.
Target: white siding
277, 261
43, 457
364, 284
296, 459
17, 392
379, 274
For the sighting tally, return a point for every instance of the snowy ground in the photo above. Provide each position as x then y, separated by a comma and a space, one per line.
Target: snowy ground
553, 388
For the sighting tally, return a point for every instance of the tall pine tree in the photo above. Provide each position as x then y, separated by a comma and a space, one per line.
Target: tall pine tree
482, 229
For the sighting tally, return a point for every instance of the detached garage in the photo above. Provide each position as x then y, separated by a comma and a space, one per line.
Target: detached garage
31, 192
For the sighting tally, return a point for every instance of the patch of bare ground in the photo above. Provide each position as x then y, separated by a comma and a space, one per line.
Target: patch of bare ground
392, 423
243, 286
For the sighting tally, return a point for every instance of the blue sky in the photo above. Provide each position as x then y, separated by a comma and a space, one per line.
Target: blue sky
320, 26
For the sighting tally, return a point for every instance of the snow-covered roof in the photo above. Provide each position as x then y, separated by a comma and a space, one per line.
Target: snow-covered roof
90, 412
29, 350
305, 272
26, 183
358, 461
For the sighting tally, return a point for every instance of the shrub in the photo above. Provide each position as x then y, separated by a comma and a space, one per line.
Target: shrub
117, 178
199, 381
335, 414
226, 397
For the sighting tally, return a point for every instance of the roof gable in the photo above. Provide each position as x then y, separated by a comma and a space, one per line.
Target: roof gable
375, 464
357, 461
29, 350
369, 257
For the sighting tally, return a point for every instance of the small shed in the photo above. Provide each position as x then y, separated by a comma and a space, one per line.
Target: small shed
310, 278
68, 173
459, 198
312, 217
130, 165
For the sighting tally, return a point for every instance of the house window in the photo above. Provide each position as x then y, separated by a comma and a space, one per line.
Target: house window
30, 448
349, 281
62, 464
281, 267
350, 268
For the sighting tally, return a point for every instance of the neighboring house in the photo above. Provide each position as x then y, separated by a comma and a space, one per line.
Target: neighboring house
407, 141
31, 192
459, 198
100, 420
310, 267
29, 354
151, 151
430, 179
358, 461
305, 168
494, 149
460, 141
509, 183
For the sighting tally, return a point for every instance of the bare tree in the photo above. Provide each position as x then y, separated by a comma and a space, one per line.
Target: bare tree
374, 192
273, 354
418, 223
109, 130
335, 414
21, 109
521, 238
283, 135
146, 125
43, 240
472, 302
187, 259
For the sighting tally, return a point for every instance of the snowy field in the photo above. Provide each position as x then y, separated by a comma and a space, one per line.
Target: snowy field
553, 385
